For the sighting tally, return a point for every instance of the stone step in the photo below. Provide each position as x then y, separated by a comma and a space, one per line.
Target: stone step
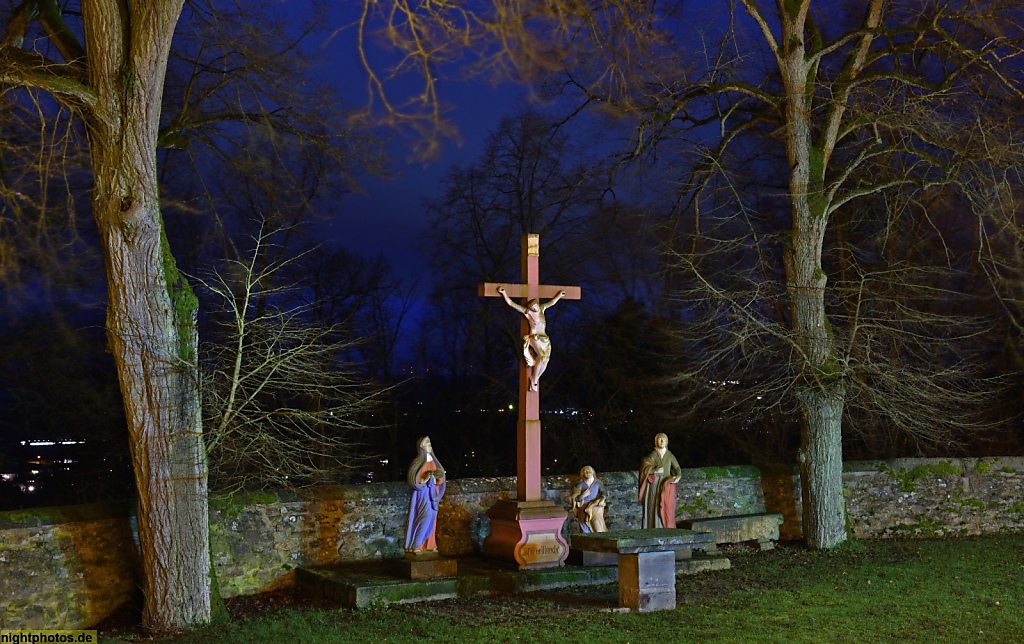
701, 563
361, 584
353, 591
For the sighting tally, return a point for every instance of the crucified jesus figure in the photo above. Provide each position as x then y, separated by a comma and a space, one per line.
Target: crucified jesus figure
536, 344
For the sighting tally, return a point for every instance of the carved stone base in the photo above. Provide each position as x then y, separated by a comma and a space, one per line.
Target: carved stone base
527, 534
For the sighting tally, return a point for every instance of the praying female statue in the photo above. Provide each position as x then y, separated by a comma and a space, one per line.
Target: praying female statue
588, 502
426, 478
659, 474
536, 344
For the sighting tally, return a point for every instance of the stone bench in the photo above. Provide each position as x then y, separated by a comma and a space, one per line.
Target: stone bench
647, 562
762, 527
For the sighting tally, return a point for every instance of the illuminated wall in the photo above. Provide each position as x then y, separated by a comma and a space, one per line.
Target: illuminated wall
71, 567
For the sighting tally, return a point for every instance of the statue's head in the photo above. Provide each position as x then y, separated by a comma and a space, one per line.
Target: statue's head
533, 305
424, 444
587, 472
661, 441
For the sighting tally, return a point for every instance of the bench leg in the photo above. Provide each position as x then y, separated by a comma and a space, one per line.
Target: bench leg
647, 581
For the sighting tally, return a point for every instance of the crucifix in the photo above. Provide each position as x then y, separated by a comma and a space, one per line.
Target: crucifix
536, 351
530, 548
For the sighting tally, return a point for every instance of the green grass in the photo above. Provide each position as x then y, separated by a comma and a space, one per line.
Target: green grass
959, 590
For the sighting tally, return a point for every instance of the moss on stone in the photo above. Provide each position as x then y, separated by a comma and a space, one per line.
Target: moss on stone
33, 516
62, 514
698, 508
944, 468
231, 505
957, 498
414, 590
908, 478
926, 527
731, 471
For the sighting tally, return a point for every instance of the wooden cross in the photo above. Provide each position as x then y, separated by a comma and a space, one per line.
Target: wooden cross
528, 427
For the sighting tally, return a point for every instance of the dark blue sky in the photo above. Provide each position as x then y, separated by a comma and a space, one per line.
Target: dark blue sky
388, 216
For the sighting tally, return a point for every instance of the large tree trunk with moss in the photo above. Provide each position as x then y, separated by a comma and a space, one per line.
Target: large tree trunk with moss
819, 382
151, 311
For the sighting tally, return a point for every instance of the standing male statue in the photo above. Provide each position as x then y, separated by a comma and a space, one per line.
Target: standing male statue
659, 474
536, 344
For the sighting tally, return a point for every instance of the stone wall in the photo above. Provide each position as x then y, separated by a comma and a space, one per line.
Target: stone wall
65, 568
256, 542
935, 498
916, 498
71, 567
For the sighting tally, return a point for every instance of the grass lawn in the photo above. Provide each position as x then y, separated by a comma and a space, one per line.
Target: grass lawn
959, 590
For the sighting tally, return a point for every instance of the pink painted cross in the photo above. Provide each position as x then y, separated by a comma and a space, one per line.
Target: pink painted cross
528, 427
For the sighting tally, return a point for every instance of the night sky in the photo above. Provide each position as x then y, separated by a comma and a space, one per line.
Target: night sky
387, 216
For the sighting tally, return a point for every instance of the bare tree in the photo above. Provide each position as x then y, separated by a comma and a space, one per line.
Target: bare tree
860, 101
859, 113
109, 69
104, 65
282, 405
530, 178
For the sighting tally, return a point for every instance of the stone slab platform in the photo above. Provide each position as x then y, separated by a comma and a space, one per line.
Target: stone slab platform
625, 542
360, 584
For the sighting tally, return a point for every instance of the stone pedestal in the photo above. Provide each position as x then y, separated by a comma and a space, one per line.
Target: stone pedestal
647, 581
526, 534
418, 567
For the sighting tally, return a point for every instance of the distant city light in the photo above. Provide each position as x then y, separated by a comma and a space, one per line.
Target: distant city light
49, 443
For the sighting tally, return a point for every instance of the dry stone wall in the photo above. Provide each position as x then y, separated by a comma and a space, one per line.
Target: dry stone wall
65, 567
944, 498
72, 567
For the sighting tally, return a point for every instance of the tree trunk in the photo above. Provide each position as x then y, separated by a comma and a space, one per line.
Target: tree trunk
819, 379
152, 334
821, 469
151, 311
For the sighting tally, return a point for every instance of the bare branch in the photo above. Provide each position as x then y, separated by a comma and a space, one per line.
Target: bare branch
282, 408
